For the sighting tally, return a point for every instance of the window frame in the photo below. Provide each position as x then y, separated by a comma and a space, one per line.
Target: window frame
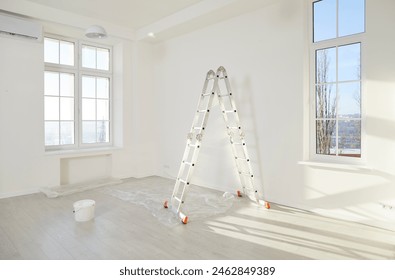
334, 43
96, 73
78, 72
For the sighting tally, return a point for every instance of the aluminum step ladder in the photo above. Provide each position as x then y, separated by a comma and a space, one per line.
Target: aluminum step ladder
216, 84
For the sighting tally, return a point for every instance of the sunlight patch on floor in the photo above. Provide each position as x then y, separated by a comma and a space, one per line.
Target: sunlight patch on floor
295, 233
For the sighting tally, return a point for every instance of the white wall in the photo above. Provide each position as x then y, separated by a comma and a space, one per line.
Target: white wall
25, 167
263, 54
266, 55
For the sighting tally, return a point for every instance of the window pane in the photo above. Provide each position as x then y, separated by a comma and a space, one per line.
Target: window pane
51, 83
66, 84
349, 60
66, 53
102, 110
88, 57
324, 20
89, 132
88, 109
88, 86
325, 65
51, 133
66, 133
66, 109
103, 134
51, 50
51, 111
350, 138
325, 96
351, 17
103, 58
349, 100
103, 88
326, 137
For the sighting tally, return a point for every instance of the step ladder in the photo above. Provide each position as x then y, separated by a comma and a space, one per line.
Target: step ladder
215, 84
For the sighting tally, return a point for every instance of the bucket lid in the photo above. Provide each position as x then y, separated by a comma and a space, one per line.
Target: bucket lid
84, 203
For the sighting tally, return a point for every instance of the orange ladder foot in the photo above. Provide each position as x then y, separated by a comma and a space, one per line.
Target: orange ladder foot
239, 194
184, 218
166, 204
267, 205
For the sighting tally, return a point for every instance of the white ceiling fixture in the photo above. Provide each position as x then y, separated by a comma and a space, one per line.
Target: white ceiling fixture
95, 32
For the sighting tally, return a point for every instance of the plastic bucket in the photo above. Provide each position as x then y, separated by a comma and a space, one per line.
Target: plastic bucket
84, 210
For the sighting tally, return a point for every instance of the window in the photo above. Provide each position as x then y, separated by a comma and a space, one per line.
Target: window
336, 47
77, 95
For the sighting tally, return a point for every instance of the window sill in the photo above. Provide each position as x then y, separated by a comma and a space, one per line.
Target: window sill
82, 152
339, 166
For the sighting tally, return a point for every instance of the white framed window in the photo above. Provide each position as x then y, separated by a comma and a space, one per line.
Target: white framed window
336, 89
77, 94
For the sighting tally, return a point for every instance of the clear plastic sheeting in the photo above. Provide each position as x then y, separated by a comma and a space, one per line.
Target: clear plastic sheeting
153, 191
64, 190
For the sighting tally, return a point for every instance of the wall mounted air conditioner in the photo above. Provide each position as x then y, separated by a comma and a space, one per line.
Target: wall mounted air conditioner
16, 26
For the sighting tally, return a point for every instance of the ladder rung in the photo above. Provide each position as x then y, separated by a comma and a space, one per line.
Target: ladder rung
246, 173
223, 95
229, 111
176, 198
188, 163
234, 127
198, 127
246, 159
207, 94
183, 181
203, 111
236, 143
194, 145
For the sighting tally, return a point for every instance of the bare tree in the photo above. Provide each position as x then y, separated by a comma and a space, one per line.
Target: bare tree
325, 104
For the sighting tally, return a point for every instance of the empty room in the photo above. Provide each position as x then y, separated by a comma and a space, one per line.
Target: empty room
197, 130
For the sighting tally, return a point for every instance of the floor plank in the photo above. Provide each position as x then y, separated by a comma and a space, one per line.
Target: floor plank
37, 227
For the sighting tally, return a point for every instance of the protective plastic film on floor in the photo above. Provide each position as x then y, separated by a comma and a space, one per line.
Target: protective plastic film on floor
64, 190
201, 202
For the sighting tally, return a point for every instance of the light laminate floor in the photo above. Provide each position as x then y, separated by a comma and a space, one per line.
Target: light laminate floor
36, 227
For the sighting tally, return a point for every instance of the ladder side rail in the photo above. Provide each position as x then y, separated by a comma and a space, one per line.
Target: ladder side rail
184, 188
243, 181
229, 95
249, 165
198, 143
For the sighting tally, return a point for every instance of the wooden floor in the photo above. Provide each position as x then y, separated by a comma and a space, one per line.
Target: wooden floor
37, 227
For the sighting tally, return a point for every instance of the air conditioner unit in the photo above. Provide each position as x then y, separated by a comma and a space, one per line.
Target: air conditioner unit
16, 26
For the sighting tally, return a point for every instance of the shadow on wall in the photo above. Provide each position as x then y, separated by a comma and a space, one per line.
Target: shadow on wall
354, 197
379, 127
362, 203
367, 194
244, 101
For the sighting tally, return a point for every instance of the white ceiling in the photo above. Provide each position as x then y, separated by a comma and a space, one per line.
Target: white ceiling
132, 14
133, 19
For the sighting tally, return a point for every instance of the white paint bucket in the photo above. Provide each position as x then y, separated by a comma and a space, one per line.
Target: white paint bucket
84, 210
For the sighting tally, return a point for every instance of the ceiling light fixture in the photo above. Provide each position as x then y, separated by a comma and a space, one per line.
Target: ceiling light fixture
151, 35
95, 32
